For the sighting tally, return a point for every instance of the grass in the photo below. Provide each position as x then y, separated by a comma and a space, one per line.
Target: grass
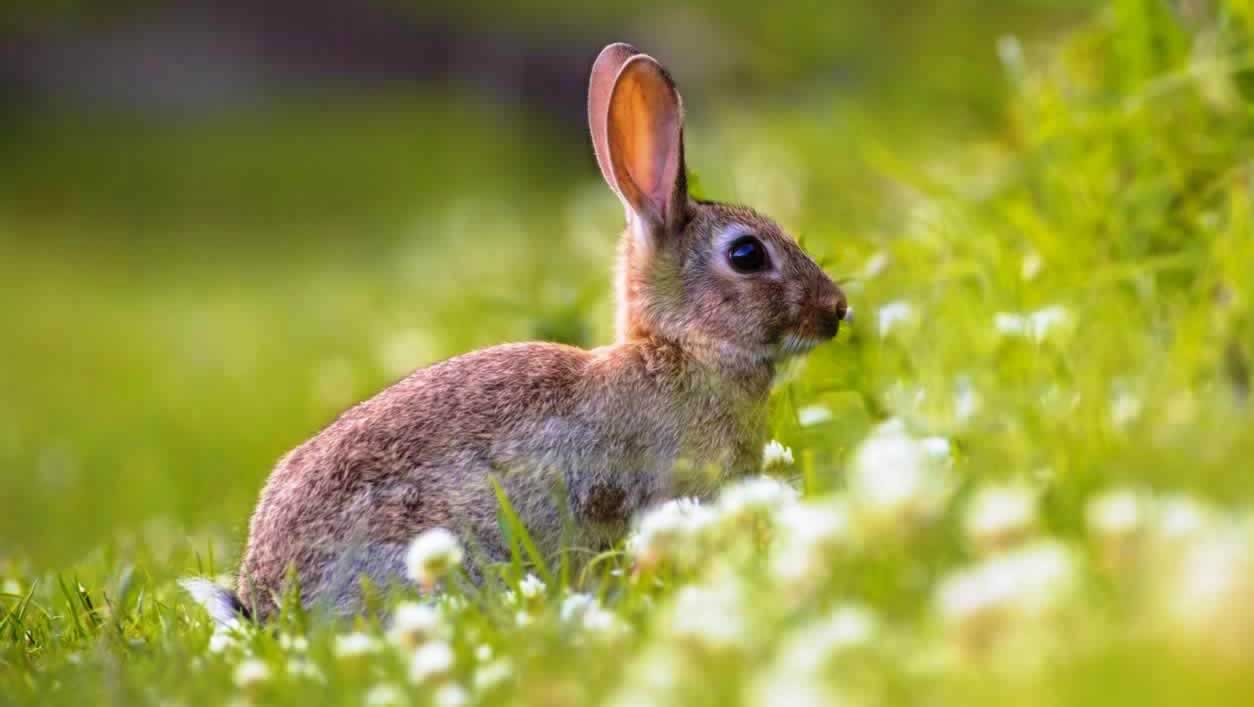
1061, 293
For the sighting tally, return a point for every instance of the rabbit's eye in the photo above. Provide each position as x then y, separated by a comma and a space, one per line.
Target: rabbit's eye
747, 254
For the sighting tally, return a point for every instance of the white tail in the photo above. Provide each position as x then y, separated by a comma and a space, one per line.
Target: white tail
223, 605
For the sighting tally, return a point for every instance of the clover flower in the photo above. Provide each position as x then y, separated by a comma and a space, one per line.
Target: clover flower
998, 517
670, 532
894, 315
355, 646
223, 639
813, 415
1180, 518
304, 668
386, 695
250, 674
711, 618
492, 674
806, 536
897, 481
797, 675
531, 587
847, 628
450, 695
432, 661
982, 604
574, 606
1117, 521
432, 555
413, 623
755, 496
775, 454
1207, 592
293, 644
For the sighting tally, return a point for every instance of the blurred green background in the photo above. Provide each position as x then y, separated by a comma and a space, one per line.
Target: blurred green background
221, 223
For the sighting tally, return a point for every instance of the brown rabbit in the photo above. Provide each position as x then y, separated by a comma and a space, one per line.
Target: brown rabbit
710, 298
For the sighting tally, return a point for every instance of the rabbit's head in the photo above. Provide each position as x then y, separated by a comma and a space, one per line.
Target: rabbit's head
722, 281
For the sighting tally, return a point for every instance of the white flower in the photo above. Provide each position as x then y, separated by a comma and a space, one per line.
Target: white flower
1117, 520
1124, 409
432, 555
874, 265
981, 602
483, 653
1000, 516
251, 673
414, 623
893, 315
710, 617
1182, 517
222, 640
386, 695
670, 531
776, 454
1117, 513
1009, 324
807, 534
937, 448
432, 660
1032, 262
575, 605
531, 587
293, 644
798, 674
808, 652
651, 678
781, 688
897, 479
352, 646
1208, 593
602, 622
1039, 325
1048, 320
812, 415
490, 675
967, 401
756, 495
522, 618
450, 695
304, 668
11, 586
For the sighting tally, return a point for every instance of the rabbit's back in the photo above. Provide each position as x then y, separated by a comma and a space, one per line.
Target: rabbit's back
417, 455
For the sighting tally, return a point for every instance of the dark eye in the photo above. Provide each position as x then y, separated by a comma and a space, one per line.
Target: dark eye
747, 254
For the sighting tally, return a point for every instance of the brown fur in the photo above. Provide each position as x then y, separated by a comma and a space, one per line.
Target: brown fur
674, 405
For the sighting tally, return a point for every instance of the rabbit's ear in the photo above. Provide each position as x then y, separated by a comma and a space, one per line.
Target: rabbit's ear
600, 86
646, 145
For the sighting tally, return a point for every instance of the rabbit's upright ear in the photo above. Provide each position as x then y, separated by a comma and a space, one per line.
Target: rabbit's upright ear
600, 87
644, 133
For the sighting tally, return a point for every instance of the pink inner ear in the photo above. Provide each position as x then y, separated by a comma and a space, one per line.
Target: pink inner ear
645, 127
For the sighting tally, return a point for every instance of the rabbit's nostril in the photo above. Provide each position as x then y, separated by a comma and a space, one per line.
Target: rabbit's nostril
829, 323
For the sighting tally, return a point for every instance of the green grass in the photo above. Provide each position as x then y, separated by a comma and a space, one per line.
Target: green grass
163, 347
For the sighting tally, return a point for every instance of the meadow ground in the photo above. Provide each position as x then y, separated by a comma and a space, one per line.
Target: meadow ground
1022, 476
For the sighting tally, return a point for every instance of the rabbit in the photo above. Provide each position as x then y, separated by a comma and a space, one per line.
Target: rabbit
710, 299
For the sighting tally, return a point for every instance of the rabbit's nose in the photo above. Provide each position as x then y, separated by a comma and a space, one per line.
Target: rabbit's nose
833, 309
